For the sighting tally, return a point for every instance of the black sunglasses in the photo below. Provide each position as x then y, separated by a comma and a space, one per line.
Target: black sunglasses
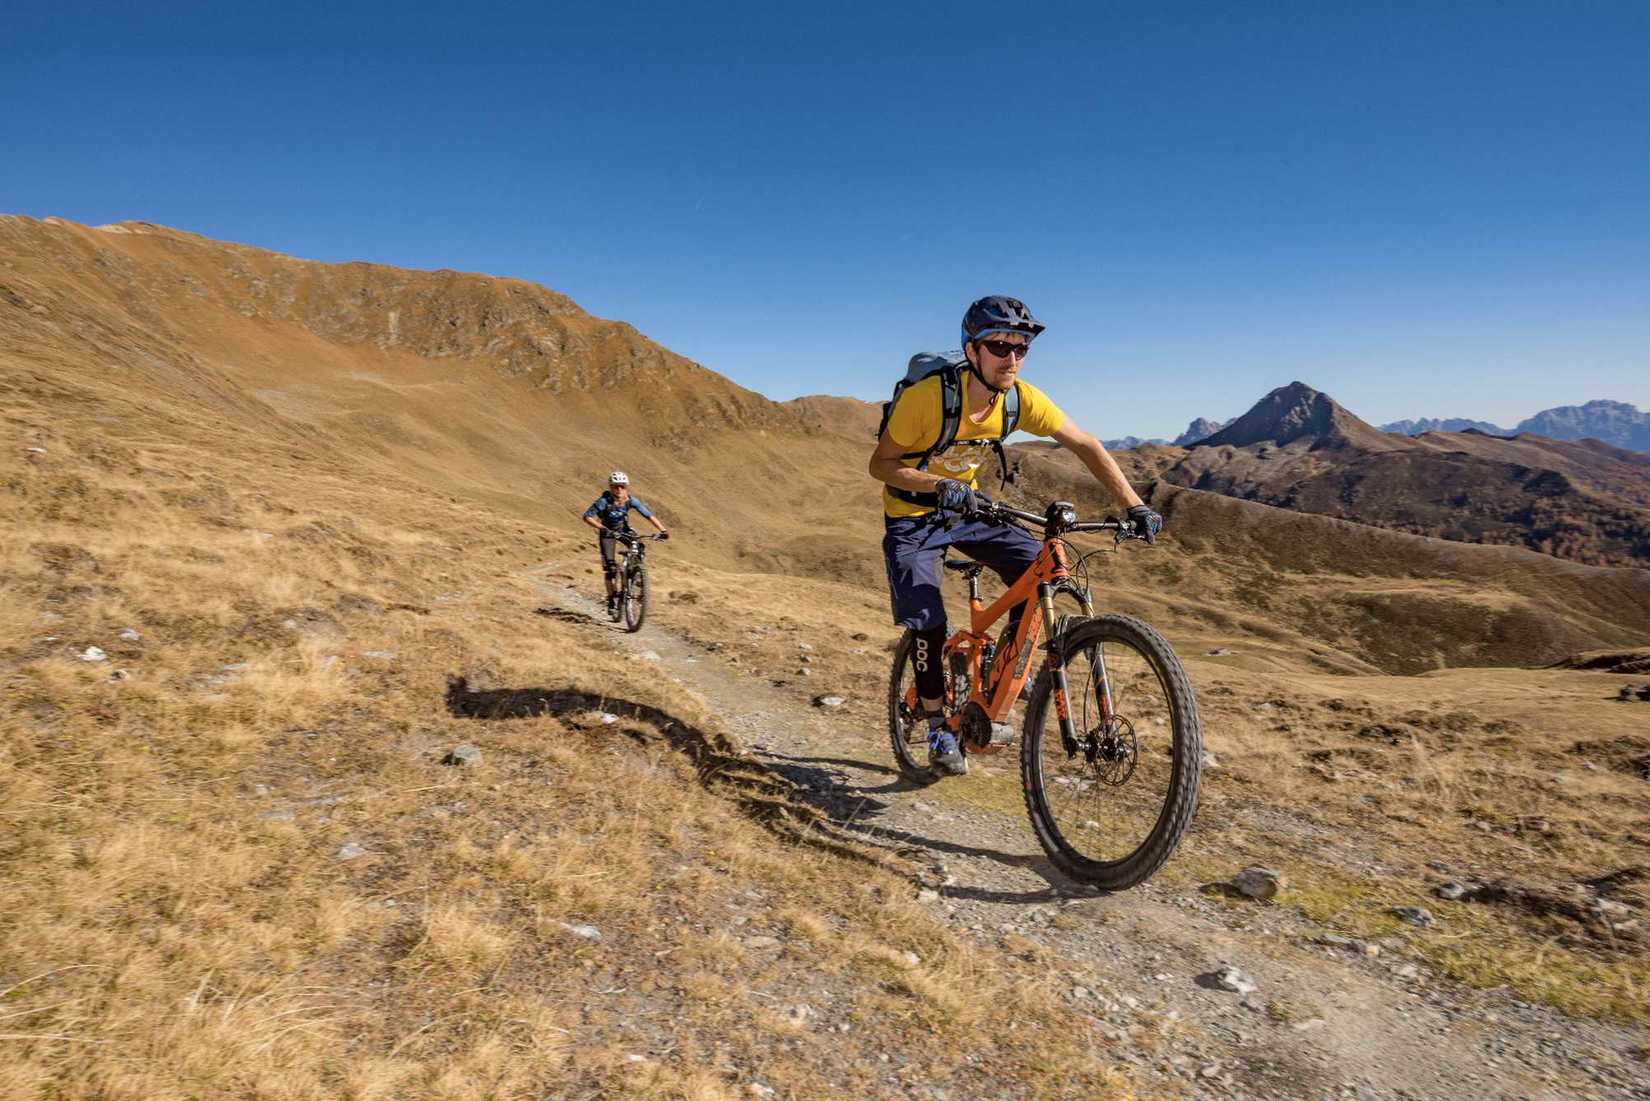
1004, 349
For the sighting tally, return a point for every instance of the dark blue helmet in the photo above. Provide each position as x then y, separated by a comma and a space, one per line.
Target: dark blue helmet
998, 313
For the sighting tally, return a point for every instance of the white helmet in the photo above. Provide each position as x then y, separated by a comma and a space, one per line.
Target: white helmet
618, 478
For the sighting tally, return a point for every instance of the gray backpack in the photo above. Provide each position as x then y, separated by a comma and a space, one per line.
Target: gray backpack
950, 368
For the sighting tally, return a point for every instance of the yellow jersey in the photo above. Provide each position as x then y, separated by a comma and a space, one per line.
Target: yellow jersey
915, 423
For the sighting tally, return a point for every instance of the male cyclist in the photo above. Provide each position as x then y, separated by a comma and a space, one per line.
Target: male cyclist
610, 515
928, 510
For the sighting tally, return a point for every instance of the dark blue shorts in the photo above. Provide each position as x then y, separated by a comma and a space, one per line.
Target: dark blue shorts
914, 545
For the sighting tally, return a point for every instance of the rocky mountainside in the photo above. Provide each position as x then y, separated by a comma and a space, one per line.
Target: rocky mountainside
1294, 413
1297, 448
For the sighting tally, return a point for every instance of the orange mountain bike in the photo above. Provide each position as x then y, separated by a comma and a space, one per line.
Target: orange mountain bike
1112, 748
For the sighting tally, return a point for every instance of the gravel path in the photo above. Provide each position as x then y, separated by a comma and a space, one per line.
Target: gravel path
1325, 1020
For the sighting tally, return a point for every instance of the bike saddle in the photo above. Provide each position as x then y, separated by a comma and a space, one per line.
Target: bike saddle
972, 569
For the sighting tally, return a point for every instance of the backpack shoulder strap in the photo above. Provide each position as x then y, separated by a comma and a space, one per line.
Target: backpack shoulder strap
1011, 421
951, 403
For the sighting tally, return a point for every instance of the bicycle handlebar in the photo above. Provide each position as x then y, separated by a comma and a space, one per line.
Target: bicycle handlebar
993, 510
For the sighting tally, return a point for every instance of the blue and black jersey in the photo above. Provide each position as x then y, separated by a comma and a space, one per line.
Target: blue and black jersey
614, 514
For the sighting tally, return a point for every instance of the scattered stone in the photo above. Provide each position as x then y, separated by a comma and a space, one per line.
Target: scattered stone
92, 653
928, 894
757, 1089
911, 959
379, 655
1414, 915
127, 634
1210, 760
1227, 977
348, 851
1406, 971
830, 702
36, 450
1259, 883
119, 675
1220, 652
583, 932
804, 646
239, 666
860, 636
1079, 993
1451, 891
462, 755
607, 718
1308, 1025
283, 816
649, 655
804, 671
797, 1015
762, 942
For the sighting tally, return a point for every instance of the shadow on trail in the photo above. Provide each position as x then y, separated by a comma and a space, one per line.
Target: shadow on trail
763, 793
823, 787
565, 615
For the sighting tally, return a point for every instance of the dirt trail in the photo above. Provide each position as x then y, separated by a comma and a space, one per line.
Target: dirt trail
1323, 1023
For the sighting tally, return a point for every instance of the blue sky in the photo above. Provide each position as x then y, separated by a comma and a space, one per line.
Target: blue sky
1424, 209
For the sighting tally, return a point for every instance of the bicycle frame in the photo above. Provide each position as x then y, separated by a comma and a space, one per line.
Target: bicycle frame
1011, 665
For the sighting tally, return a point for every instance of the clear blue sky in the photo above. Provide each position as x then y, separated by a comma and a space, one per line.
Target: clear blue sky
1424, 209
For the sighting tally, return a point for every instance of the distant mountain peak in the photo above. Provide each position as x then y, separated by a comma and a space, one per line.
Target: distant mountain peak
1444, 424
1617, 423
1614, 422
1291, 413
1201, 428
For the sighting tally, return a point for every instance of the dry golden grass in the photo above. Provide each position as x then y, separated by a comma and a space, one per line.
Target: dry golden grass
184, 922
1327, 778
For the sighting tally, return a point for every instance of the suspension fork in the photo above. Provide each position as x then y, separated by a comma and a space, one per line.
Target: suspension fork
1057, 670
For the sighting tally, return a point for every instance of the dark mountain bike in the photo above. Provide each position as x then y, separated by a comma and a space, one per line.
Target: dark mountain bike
1112, 748
633, 587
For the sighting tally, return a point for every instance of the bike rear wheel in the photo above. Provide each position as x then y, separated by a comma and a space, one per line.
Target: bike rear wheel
1110, 807
907, 728
634, 599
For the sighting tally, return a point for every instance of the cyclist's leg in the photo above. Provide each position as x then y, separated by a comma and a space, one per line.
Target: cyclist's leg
610, 564
912, 548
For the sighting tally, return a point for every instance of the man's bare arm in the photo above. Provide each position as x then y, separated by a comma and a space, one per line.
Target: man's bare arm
885, 466
1099, 461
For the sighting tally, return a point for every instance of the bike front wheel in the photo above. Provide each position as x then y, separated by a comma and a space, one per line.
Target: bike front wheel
1110, 800
634, 601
